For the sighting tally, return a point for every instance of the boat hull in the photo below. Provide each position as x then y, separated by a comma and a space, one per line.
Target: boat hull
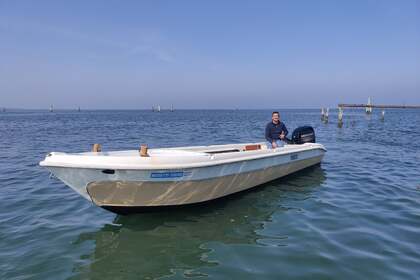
117, 195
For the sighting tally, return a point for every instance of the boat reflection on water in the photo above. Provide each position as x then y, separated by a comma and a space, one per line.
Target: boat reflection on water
150, 245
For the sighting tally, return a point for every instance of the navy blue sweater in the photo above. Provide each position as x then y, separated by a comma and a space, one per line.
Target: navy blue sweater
273, 131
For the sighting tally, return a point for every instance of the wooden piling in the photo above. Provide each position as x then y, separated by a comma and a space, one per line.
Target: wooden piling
369, 106
340, 114
327, 113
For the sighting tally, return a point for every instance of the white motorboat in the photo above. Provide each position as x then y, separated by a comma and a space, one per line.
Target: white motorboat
125, 181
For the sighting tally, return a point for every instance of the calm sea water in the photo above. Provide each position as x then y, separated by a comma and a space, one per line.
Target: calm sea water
357, 216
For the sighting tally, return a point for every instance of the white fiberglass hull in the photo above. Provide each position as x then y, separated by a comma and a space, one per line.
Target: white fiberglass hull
176, 176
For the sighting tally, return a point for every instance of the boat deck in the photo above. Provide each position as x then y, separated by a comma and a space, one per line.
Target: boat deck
178, 157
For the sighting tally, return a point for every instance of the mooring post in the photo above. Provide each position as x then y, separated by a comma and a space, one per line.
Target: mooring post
340, 116
327, 112
369, 106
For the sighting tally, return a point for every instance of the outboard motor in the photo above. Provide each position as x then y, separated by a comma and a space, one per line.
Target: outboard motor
303, 134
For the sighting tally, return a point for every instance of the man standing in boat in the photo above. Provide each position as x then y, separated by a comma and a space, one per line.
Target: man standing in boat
275, 131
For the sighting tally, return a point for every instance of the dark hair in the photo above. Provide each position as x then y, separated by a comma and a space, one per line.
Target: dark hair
275, 112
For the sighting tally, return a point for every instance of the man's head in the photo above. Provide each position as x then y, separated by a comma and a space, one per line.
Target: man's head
275, 116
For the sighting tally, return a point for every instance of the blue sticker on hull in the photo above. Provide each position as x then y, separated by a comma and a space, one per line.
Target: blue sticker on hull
176, 174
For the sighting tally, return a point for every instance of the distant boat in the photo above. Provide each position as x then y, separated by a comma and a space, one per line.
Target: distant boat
172, 108
158, 108
51, 108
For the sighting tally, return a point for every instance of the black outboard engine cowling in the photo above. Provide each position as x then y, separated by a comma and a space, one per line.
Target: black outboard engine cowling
303, 134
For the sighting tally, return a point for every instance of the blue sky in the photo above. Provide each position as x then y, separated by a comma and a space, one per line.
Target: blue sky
208, 54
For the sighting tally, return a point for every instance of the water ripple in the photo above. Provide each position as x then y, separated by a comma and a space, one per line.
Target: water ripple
356, 216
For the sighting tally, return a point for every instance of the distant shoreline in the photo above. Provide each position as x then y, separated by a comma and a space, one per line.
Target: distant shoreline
180, 109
